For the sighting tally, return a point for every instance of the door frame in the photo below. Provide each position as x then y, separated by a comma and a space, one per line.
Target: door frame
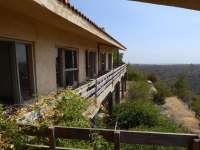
17, 98
62, 65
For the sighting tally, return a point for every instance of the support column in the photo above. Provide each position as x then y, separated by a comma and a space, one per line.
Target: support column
110, 102
117, 90
122, 87
117, 58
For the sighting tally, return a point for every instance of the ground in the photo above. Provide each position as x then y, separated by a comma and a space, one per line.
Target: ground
181, 114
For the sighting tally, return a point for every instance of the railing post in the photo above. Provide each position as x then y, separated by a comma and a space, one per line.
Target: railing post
96, 88
196, 144
117, 140
52, 139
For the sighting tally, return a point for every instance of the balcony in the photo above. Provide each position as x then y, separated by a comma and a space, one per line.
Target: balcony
99, 88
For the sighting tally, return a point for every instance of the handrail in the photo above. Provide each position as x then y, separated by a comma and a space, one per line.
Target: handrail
96, 87
189, 141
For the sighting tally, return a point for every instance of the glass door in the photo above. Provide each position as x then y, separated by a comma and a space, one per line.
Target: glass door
25, 70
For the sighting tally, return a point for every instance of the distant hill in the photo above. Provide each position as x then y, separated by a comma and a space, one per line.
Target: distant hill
171, 72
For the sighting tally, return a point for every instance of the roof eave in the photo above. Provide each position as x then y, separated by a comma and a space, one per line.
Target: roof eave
191, 4
71, 14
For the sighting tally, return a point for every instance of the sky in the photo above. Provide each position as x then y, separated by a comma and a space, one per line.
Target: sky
153, 34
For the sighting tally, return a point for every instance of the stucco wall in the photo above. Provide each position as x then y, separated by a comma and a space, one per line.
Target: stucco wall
45, 39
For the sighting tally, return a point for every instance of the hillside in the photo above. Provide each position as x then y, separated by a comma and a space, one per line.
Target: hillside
171, 72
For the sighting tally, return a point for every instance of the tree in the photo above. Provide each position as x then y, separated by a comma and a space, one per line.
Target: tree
135, 75
181, 88
117, 59
163, 91
152, 77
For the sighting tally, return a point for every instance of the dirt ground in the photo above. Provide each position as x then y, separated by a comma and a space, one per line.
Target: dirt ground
181, 114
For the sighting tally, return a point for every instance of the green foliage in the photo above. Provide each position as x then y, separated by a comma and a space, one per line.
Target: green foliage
139, 90
68, 113
71, 107
143, 116
181, 88
117, 59
152, 77
195, 104
135, 75
10, 136
133, 114
99, 143
163, 91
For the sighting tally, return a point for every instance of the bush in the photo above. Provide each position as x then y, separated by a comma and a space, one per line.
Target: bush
152, 77
181, 88
163, 91
139, 90
71, 108
10, 136
195, 104
135, 75
133, 114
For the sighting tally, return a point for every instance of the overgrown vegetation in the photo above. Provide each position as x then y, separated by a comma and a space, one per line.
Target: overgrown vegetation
163, 91
138, 90
10, 137
141, 111
67, 112
135, 75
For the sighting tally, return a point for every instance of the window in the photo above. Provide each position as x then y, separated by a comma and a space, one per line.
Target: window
71, 70
17, 75
102, 63
25, 70
110, 61
90, 64
66, 67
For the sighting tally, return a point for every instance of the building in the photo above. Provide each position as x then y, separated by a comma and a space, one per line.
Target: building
46, 45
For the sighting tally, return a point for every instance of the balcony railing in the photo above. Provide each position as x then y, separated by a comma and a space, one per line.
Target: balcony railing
95, 87
117, 137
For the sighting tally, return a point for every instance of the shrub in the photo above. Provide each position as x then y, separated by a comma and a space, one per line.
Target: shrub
139, 90
10, 137
133, 114
163, 91
195, 105
152, 77
135, 75
181, 88
71, 108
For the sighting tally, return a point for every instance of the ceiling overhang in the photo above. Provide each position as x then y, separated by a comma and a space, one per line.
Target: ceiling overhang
189, 4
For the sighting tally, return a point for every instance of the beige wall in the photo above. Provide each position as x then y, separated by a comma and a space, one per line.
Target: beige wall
45, 39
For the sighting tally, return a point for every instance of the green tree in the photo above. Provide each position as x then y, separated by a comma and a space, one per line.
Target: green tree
163, 91
139, 90
181, 88
117, 59
134, 114
135, 75
152, 77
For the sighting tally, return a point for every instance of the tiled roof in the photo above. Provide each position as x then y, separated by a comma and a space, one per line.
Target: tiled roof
70, 6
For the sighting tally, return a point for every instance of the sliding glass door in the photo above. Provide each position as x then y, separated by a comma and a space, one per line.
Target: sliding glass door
90, 64
17, 77
25, 70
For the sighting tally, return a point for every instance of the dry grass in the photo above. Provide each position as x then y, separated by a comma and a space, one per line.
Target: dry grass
181, 114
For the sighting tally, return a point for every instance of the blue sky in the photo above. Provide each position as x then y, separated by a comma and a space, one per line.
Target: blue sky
153, 34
